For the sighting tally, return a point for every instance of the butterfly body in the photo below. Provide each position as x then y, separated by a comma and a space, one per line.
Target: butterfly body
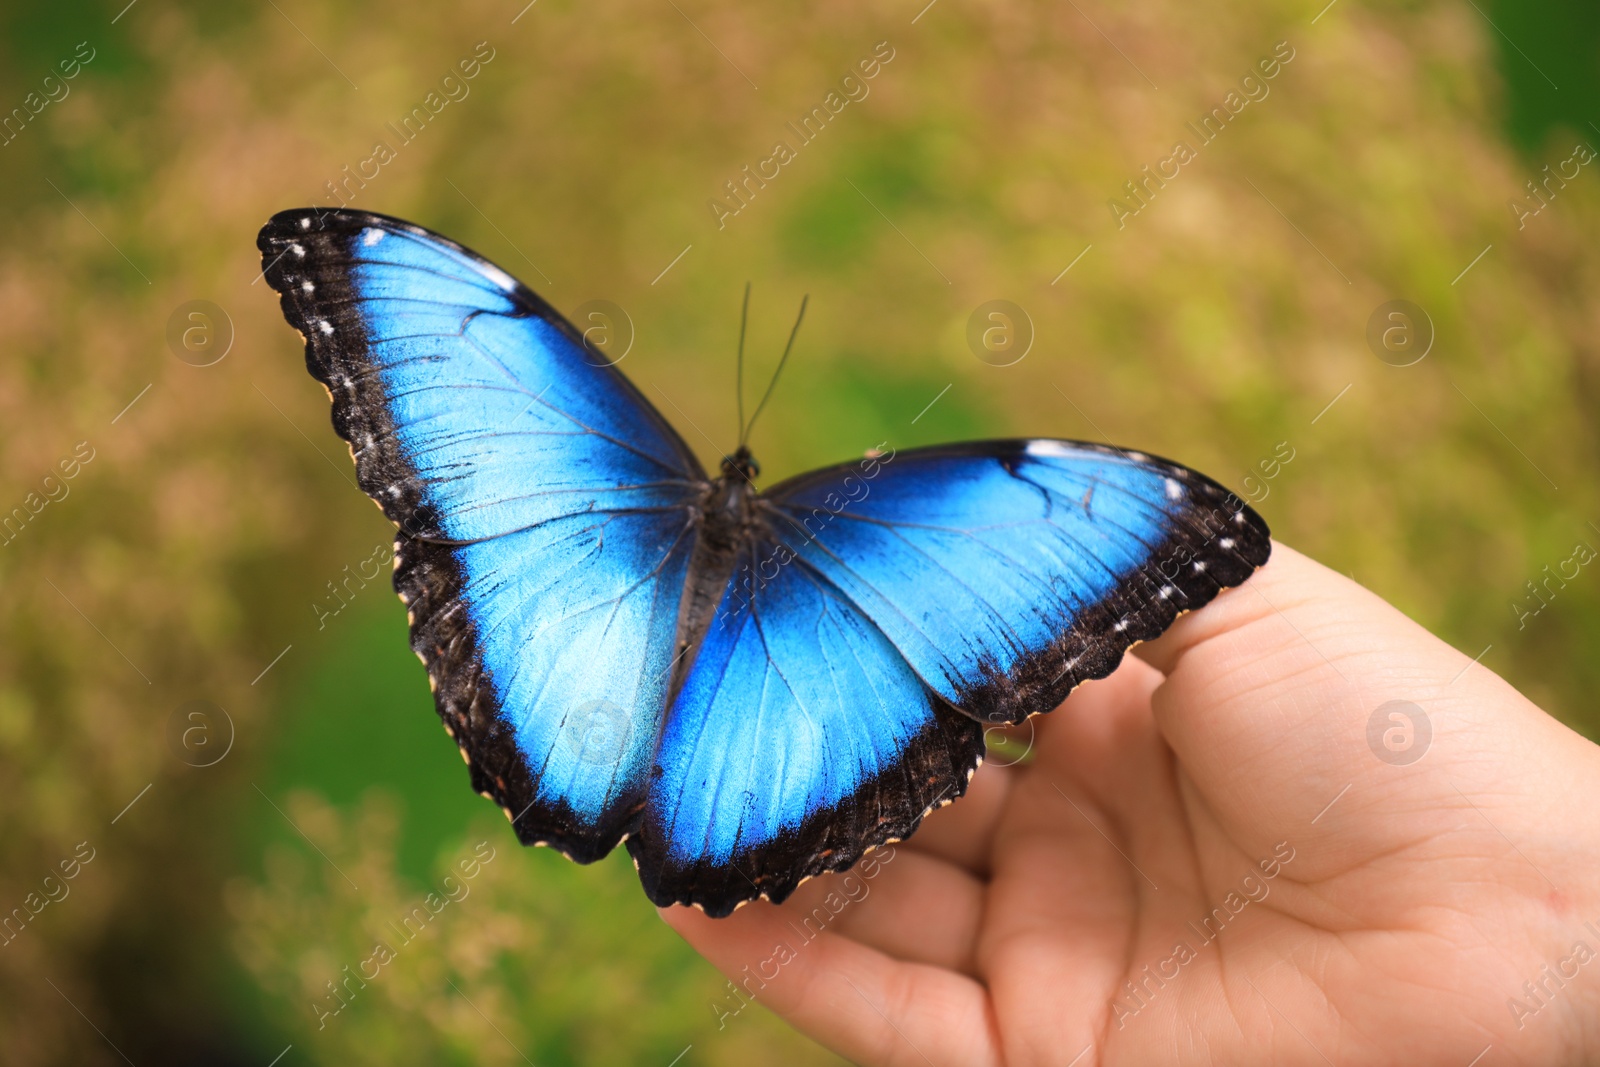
728, 520
747, 687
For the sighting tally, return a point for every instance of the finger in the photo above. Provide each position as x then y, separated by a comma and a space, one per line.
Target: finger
1062, 907
1267, 688
1091, 734
963, 833
1102, 747
1296, 596
851, 998
908, 905
1269, 694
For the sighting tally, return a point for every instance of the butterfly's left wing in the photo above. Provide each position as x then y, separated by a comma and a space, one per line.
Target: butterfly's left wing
1007, 572
546, 511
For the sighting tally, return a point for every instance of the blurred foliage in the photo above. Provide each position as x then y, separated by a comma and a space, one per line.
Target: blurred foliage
188, 554
522, 957
1549, 57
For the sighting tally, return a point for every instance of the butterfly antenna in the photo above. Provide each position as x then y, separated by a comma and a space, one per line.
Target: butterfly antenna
744, 318
773, 384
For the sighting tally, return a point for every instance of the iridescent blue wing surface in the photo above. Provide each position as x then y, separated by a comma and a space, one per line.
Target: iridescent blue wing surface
1007, 572
545, 510
799, 740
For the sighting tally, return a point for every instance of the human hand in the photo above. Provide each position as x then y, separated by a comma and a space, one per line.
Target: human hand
1206, 861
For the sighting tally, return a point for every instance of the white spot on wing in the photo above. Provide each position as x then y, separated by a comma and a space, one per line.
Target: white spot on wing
499, 277
1226, 542
297, 250
325, 326
305, 223
1051, 449
1174, 490
307, 286
371, 236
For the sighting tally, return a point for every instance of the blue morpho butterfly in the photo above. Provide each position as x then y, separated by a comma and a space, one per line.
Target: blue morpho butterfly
748, 687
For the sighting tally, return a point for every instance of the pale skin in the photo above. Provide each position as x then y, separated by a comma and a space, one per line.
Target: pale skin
1418, 900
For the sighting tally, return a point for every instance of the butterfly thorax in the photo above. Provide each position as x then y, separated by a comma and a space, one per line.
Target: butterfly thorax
727, 509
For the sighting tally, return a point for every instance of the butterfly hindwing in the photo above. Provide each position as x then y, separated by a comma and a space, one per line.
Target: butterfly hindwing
1007, 572
545, 510
800, 739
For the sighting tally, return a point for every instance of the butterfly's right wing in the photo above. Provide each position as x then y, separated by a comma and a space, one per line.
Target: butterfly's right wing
1008, 572
545, 510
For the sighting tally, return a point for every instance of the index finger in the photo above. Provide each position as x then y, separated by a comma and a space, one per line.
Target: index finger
1272, 689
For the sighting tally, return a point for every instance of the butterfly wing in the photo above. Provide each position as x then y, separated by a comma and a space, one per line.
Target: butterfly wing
1007, 572
800, 738
544, 510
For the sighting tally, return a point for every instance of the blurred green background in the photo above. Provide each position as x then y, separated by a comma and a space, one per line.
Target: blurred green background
187, 559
